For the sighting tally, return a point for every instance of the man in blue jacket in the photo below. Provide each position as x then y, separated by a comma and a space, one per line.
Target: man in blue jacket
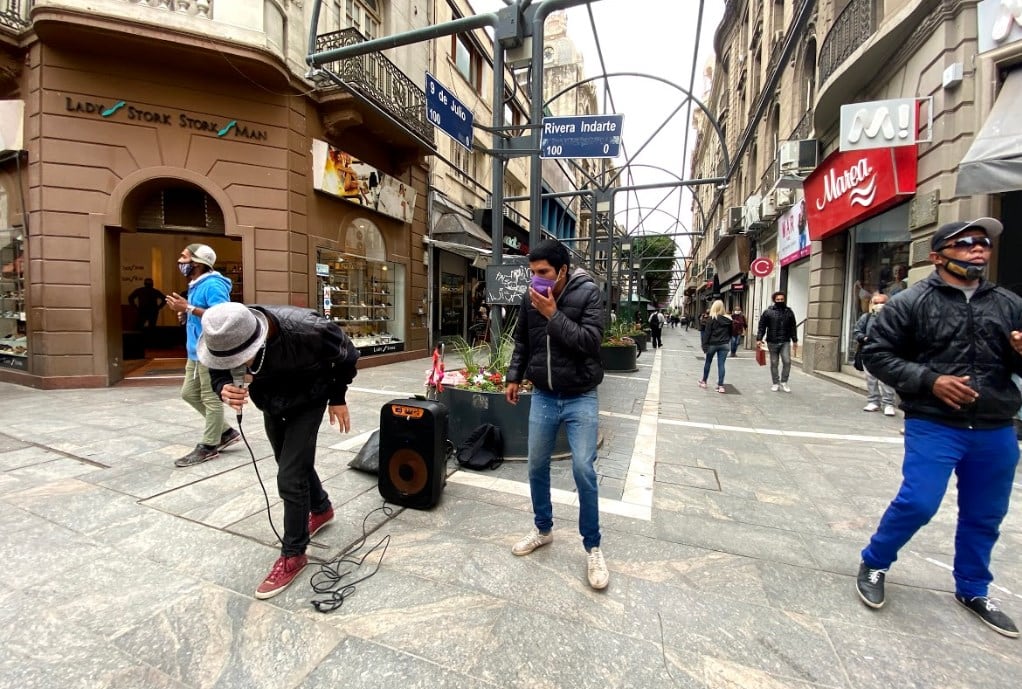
949, 345
557, 348
206, 288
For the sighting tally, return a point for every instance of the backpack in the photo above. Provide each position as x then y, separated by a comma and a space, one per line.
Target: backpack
482, 449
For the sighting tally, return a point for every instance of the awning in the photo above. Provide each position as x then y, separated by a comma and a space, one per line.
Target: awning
451, 227
464, 250
993, 163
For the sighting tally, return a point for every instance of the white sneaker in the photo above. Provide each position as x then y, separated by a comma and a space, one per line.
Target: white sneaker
597, 572
775, 387
534, 540
872, 406
889, 410
784, 386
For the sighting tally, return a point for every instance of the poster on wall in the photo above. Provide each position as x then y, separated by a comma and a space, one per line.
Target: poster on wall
793, 234
340, 174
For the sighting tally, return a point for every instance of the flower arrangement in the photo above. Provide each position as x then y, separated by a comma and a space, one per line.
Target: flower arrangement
484, 369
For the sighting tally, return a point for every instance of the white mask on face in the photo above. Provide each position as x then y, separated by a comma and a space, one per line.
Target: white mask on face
878, 307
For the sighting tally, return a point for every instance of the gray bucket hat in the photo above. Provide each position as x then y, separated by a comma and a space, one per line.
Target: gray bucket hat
232, 333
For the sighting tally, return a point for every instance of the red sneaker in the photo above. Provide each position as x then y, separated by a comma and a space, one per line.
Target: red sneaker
318, 521
284, 571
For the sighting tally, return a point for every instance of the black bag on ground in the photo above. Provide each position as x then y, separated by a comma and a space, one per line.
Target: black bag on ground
368, 458
482, 449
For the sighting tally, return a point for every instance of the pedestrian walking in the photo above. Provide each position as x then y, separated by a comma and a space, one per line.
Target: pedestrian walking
206, 288
879, 395
778, 329
738, 327
297, 364
949, 345
557, 347
716, 339
656, 329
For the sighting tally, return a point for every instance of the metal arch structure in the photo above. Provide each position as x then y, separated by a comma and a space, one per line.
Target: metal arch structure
510, 25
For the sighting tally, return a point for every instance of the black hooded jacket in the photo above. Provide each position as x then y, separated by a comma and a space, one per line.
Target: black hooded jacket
777, 325
929, 330
561, 354
309, 360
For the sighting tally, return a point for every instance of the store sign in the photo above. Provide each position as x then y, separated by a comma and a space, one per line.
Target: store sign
793, 234
122, 110
761, 267
732, 261
340, 174
882, 123
999, 23
849, 186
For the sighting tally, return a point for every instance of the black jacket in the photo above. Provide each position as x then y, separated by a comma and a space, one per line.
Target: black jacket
561, 354
716, 332
929, 330
308, 361
778, 325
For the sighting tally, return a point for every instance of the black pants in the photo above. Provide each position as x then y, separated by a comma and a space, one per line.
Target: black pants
293, 438
654, 335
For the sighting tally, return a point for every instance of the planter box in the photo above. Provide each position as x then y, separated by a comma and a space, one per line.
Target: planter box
640, 341
619, 357
469, 409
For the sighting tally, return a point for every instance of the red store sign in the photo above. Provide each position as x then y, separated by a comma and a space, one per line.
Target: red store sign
850, 186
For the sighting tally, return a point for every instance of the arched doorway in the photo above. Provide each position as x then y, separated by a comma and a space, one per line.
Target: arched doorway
160, 218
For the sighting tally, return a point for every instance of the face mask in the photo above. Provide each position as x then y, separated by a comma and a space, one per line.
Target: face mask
186, 269
738, 313
778, 304
877, 308
964, 269
542, 285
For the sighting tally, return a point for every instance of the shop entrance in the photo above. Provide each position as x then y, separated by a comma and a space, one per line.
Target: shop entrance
168, 219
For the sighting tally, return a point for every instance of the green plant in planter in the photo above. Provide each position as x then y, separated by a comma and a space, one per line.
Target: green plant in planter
484, 368
618, 334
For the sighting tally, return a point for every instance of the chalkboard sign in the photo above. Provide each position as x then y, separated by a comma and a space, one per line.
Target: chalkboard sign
505, 284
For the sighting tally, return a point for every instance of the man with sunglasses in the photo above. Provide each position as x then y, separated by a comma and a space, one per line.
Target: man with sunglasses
949, 344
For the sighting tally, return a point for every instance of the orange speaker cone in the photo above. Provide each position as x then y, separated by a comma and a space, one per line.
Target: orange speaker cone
408, 471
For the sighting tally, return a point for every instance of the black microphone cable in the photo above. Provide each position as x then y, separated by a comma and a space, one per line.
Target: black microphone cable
255, 465
329, 580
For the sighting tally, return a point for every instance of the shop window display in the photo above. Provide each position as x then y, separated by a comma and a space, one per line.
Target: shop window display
13, 334
365, 297
878, 268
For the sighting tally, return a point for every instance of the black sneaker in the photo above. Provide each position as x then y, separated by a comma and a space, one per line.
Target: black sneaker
870, 585
991, 615
201, 453
228, 438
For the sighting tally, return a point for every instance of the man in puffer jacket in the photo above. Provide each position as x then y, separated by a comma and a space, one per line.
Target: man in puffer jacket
949, 344
557, 347
296, 364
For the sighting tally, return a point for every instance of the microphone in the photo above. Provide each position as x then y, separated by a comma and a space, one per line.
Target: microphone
238, 380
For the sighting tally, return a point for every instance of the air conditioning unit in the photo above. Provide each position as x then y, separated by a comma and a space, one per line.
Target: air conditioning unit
735, 219
783, 198
768, 208
752, 214
798, 156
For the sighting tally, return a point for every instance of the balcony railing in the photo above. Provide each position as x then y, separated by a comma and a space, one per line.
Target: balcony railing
379, 80
13, 14
804, 126
197, 8
856, 23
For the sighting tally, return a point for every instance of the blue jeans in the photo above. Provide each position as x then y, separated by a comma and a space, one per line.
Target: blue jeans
781, 351
985, 462
579, 414
720, 351
736, 341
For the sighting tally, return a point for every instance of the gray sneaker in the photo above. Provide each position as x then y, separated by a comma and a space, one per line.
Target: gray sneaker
201, 453
534, 540
596, 569
228, 438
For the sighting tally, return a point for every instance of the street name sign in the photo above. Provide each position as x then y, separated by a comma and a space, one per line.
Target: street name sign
581, 136
447, 113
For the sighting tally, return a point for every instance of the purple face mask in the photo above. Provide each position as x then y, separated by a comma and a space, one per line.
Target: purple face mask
542, 285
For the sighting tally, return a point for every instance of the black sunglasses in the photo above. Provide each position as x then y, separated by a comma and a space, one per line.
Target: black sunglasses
964, 242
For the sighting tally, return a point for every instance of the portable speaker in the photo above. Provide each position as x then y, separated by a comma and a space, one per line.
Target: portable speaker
413, 465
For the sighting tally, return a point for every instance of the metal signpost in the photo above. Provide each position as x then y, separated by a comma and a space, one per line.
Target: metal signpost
447, 113
585, 136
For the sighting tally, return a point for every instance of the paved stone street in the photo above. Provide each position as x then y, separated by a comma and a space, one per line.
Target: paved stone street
731, 524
